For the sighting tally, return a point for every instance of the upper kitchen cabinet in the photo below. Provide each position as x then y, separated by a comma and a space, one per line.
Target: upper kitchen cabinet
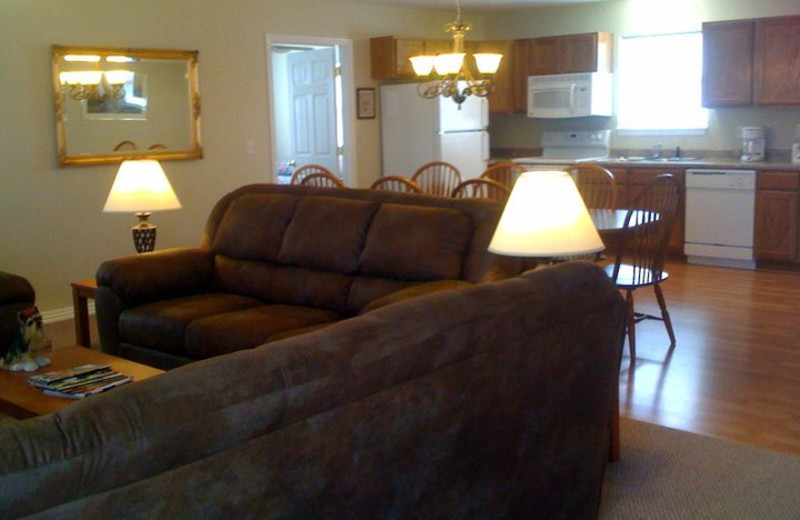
777, 61
519, 76
390, 60
589, 52
751, 62
390, 56
728, 63
502, 100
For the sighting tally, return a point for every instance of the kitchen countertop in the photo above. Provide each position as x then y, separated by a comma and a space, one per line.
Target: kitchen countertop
698, 163
726, 163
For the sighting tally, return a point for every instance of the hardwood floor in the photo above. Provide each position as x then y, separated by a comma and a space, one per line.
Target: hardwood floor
735, 371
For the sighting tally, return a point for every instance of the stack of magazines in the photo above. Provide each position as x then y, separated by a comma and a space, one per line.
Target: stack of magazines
79, 382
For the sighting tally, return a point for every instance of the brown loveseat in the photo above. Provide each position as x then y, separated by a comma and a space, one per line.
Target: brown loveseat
484, 402
277, 260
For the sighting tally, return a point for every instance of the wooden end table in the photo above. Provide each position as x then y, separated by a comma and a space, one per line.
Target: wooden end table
22, 401
82, 292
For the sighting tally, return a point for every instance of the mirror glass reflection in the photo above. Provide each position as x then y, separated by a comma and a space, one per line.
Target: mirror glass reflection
114, 104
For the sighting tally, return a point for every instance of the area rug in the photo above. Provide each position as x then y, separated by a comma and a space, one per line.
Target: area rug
670, 474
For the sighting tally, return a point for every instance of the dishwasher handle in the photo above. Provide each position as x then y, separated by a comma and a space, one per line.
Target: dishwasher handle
721, 179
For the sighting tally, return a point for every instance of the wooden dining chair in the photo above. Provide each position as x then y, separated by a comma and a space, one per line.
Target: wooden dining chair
505, 173
437, 178
395, 183
481, 189
643, 249
597, 185
306, 170
322, 180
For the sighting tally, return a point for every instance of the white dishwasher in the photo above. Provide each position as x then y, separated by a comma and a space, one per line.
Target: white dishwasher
720, 209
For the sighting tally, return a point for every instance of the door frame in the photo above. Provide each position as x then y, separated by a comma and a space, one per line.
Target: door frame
348, 98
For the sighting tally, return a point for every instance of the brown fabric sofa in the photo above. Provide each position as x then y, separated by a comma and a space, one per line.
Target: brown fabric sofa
484, 402
277, 260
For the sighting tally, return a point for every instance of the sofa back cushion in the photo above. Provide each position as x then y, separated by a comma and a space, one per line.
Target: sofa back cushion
327, 233
416, 243
253, 226
342, 248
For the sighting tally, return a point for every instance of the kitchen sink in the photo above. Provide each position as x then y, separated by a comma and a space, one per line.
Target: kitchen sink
656, 159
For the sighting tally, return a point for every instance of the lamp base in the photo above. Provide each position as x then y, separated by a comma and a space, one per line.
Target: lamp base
144, 233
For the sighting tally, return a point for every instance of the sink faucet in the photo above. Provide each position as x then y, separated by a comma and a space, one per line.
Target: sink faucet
656, 151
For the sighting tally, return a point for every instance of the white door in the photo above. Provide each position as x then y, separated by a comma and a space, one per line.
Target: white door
313, 108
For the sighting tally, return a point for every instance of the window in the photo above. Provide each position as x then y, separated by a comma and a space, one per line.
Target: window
659, 88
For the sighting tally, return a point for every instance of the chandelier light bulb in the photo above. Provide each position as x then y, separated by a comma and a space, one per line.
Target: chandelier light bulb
487, 63
449, 63
423, 65
118, 77
81, 77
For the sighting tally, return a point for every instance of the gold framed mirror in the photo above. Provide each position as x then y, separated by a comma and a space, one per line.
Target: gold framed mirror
113, 104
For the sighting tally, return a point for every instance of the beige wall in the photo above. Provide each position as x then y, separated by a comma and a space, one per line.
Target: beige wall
638, 17
53, 229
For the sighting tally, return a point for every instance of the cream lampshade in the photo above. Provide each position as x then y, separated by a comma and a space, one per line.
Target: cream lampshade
141, 187
545, 217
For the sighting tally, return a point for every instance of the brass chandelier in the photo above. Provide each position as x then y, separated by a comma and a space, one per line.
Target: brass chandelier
445, 74
96, 85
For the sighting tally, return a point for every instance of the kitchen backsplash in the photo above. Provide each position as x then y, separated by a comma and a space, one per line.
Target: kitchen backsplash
519, 136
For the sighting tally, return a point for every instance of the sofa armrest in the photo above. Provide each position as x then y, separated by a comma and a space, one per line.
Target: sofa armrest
413, 292
16, 294
155, 276
15, 289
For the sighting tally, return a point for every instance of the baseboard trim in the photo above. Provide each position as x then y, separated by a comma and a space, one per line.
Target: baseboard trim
64, 313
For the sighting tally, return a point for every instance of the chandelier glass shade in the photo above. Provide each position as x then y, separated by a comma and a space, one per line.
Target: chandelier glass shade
456, 74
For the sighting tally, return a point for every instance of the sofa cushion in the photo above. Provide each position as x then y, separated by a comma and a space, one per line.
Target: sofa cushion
253, 227
327, 233
416, 243
162, 324
229, 332
367, 288
413, 292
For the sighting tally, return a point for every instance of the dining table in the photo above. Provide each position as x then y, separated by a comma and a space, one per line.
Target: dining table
610, 224
612, 221
608, 221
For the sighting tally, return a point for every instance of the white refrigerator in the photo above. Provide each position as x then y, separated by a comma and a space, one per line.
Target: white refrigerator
416, 130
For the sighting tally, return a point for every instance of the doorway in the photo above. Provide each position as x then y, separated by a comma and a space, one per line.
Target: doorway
310, 81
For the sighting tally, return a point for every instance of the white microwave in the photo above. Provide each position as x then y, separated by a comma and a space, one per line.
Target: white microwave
558, 96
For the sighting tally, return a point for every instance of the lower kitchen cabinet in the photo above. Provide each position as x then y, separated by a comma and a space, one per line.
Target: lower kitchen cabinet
777, 214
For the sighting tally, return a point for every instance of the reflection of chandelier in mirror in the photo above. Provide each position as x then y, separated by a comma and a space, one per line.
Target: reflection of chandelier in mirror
442, 73
96, 84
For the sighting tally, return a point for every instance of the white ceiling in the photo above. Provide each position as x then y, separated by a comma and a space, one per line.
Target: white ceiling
475, 4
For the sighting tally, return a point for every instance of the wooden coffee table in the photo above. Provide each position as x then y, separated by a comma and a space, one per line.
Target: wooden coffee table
21, 400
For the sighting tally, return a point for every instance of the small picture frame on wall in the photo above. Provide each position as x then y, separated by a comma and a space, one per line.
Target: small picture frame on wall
365, 99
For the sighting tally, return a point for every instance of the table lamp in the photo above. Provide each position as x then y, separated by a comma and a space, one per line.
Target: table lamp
141, 186
545, 217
